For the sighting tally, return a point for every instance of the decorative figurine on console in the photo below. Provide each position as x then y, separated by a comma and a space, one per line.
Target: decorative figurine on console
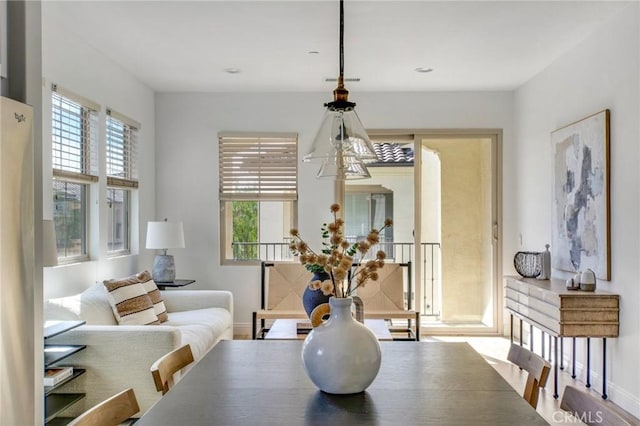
585, 281
588, 281
545, 264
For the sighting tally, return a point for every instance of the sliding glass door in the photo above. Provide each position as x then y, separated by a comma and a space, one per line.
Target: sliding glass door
441, 188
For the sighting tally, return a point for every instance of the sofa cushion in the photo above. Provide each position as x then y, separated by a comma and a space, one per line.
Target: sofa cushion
200, 328
92, 306
130, 302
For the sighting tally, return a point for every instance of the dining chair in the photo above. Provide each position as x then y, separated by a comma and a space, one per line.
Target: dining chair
110, 412
164, 368
389, 298
282, 286
537, 367
591, 410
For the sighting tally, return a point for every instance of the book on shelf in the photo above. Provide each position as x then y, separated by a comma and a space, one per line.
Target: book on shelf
54, 375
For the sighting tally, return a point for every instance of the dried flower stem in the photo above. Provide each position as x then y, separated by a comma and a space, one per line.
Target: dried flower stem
337, 256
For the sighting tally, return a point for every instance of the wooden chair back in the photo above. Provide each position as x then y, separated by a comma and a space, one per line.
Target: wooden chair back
164, 368
537, 367
387, 293
390, 297
591, 410
283, 284
110, 412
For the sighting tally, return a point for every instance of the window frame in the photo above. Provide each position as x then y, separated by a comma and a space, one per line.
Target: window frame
85, 255
127, 219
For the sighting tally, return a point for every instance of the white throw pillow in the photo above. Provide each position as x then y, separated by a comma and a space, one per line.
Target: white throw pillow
95, 308
92, 306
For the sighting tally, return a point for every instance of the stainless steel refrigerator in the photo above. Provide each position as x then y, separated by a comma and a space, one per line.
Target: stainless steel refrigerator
17, 346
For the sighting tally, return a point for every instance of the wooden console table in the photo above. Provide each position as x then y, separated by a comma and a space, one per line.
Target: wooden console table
550, 307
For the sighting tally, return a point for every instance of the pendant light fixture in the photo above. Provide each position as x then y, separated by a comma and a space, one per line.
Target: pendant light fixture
341, 145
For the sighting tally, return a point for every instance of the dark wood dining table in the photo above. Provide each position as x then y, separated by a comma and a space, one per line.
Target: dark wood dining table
252, 382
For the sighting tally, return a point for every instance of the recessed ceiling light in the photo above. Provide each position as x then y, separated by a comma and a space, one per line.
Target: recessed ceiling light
424, 69
232, 70
313, 52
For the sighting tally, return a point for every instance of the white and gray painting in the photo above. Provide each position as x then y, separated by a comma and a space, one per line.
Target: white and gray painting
579, 239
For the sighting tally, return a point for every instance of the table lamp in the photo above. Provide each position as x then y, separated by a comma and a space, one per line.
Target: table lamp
164, 235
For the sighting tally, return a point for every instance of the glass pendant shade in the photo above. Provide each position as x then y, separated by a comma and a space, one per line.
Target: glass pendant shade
339, 167
341, 134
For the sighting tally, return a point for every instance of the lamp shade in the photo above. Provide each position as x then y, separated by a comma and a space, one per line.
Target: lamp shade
165, 235
49, 246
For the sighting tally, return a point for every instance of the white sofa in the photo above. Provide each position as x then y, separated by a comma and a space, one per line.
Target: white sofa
119, 356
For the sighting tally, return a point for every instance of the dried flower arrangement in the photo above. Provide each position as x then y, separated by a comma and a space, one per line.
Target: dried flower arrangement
345, 263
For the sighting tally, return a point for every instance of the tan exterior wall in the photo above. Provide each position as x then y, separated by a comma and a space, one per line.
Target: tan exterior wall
465, 166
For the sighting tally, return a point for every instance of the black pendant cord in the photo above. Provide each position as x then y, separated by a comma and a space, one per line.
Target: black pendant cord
341, 38
341, 94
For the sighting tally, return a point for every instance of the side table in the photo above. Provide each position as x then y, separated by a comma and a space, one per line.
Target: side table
174, 284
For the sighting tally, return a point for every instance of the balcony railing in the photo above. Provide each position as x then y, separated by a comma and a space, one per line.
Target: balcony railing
396, 252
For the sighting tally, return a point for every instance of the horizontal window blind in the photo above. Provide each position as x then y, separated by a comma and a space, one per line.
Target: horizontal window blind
74, 133
258, 167
122, 142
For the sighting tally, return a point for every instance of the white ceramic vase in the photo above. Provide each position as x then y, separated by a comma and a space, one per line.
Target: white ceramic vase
341, 356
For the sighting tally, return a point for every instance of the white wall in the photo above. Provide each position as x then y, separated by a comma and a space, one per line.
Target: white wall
600, 73
70, 63
187, 173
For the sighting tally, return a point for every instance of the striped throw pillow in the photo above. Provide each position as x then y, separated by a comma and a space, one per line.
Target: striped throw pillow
154, 294
130, 302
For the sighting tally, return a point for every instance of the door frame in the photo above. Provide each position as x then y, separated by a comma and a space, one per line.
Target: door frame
495, 135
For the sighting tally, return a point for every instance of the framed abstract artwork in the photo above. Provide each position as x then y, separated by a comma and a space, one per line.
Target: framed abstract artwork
580, 219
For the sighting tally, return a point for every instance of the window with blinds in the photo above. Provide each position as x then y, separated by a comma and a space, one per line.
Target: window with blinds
74, 133
122, 177
258, 195
74, 159
121, 156
258, 167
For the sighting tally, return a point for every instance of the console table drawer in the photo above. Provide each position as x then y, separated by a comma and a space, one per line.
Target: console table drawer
589, 302
588, 330
597, 316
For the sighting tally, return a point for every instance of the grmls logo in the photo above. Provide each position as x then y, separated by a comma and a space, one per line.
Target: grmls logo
19, 117
587, 417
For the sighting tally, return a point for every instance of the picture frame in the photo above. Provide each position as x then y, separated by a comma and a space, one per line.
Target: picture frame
580, 237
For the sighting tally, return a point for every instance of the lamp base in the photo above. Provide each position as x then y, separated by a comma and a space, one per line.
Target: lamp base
164, 269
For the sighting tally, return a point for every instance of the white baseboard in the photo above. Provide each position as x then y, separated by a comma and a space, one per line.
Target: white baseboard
242, 330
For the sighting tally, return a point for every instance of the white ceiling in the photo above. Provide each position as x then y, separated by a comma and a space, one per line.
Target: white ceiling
474, 45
